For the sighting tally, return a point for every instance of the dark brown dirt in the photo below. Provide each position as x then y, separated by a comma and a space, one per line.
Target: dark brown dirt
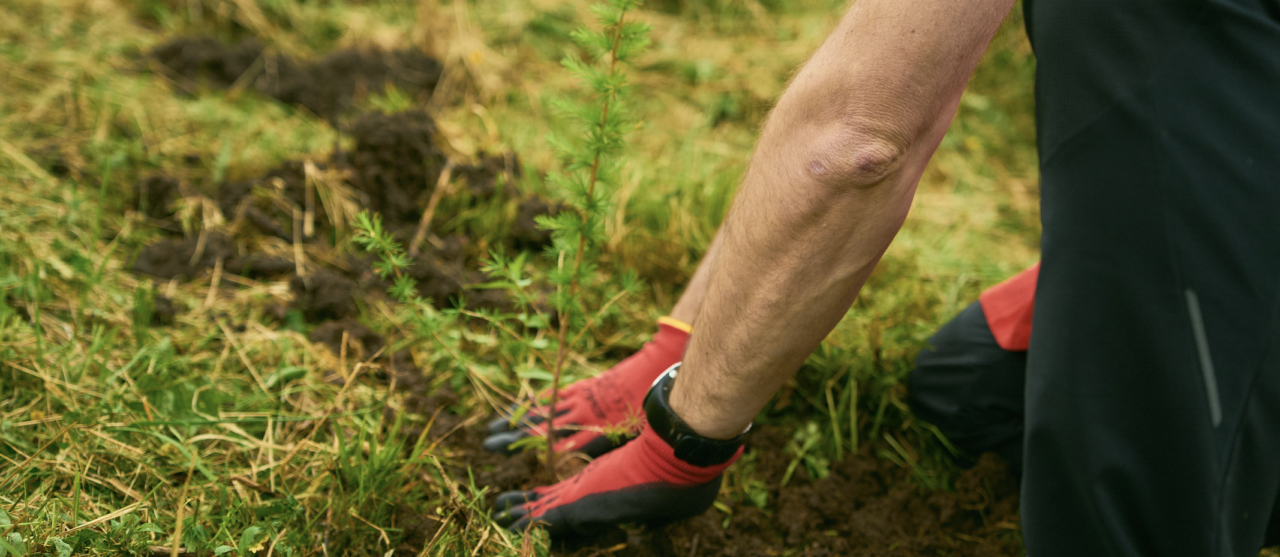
326, 86
393, 169
177, 258
482, 178
396, 164
324, 295
155, 196
442, 280
185, 258
866, 506
164, 311
362, 342
365, 345
265, 213
525, 232
206, 61
418, 529
260, 266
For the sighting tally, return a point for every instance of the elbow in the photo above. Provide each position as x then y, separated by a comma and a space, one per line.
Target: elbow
851, 158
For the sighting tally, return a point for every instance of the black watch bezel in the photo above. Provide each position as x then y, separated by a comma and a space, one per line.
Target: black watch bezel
687, 444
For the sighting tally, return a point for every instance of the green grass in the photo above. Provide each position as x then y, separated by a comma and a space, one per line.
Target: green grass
118, 435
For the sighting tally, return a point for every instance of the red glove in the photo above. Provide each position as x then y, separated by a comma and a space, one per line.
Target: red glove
641, 482
605, 400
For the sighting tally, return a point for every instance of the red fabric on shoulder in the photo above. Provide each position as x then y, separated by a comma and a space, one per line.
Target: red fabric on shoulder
1008, 307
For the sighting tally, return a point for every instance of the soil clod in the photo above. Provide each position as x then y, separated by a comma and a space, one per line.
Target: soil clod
326, 86
186, 258
206, 61
324, 295
155, 196
525, 232
163, 310
482, 179
396, 163
258, 265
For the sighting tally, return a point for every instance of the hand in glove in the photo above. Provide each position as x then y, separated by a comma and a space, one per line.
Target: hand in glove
641, 482
606, 400
668, 473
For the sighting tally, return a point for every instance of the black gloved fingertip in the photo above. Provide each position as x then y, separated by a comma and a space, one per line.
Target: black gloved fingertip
518, 527
499, 425
501, 442
511, 499
599, 445
506, 517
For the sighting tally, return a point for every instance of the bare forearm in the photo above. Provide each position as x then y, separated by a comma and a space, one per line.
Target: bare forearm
830, 184
690, 302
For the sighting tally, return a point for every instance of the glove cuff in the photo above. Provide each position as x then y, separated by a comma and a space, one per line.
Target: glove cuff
675, 324
687, 444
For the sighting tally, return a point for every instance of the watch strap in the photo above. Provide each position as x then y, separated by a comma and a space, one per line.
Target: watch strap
688, 445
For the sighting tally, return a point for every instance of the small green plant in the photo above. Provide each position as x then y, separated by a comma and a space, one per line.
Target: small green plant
592, 163
391, 263
591, 171
804, 447
744, 483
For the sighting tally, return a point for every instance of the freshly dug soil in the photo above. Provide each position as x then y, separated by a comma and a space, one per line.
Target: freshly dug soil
164, 311
239, 204
525, 232
396, 164
205, 60
155, 196
326, 86
260, 266
362, 342
393, 169
186, 258
866, 506
482, 178
324, 295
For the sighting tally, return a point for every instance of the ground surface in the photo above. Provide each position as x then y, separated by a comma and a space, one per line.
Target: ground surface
196, 360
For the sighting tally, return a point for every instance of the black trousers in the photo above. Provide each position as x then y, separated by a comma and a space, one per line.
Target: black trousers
974, 392
1153, 376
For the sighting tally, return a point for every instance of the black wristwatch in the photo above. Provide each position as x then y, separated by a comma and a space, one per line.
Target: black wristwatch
689, 446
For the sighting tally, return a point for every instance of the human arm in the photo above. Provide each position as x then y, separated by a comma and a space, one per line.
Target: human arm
830, 185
